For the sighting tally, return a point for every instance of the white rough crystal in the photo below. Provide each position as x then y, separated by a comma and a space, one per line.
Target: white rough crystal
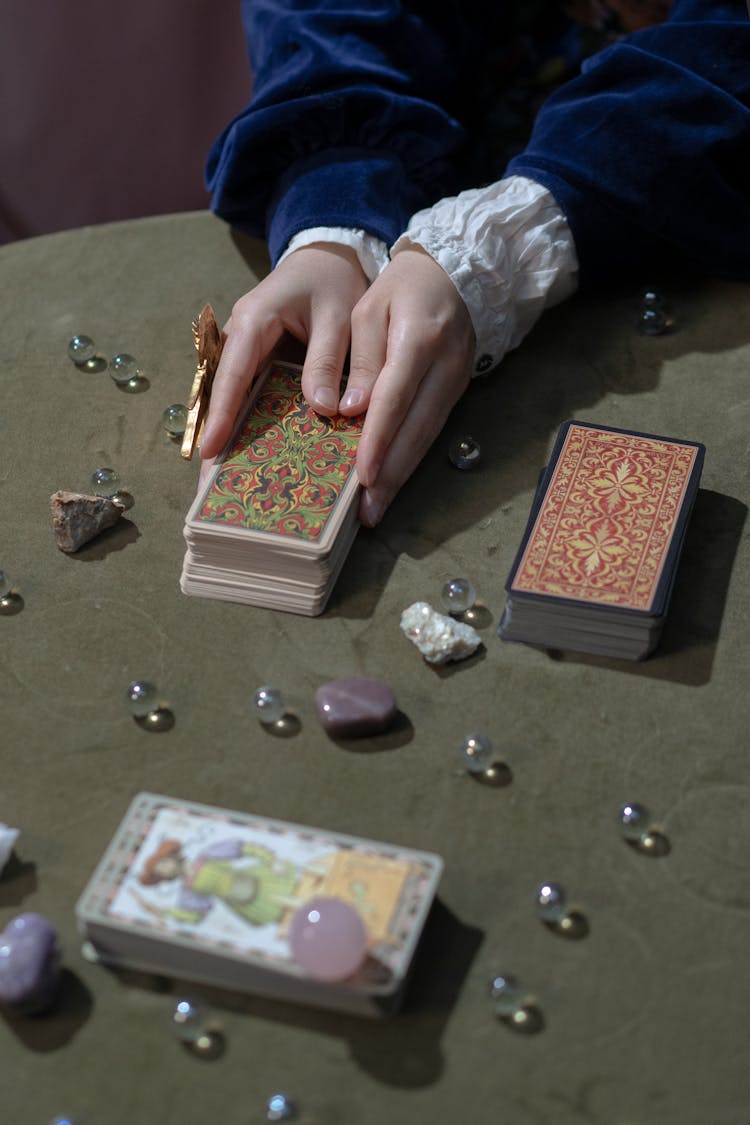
8, 837
438, 638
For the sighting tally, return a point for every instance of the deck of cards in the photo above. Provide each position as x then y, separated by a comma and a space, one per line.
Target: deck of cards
207, 894
597, 563
274, 522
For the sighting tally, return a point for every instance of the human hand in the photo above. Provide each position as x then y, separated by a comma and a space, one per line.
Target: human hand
311, 295
411, 352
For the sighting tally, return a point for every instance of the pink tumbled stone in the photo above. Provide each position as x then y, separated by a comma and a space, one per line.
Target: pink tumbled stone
355, 706
327, 938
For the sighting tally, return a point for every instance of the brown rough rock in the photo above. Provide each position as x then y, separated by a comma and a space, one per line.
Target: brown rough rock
78, 518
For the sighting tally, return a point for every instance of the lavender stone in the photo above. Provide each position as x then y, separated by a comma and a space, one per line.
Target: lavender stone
29, 964
355, 706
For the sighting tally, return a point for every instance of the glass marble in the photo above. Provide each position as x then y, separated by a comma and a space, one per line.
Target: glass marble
62, 1121
174, 419
189, 1020
458, 595
280, 1107
327, 939
634, 821
652, 321
10, 604
81, 349
142, 698
269, 705
464, 452
105, 482
477, 753
124, 369
506, 993
4, 584
652, 298
550, 902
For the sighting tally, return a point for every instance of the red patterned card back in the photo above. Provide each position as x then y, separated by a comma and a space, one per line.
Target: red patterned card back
614, 505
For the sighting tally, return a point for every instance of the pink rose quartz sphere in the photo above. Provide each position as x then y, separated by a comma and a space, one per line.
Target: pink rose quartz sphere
328, 939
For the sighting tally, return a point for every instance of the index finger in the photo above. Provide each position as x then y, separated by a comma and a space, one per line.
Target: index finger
247, 341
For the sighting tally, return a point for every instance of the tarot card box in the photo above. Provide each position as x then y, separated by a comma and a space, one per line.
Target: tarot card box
206, 894
273, 524
598, 560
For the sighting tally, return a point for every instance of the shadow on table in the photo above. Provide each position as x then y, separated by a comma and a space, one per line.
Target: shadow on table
405, 1051
17, 882
113, 539
56, 1026
400, 733
686, 651
402, 1050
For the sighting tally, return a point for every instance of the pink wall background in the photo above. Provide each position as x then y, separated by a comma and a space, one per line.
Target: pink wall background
107, 109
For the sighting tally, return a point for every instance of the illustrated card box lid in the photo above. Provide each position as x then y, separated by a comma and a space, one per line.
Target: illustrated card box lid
597, 563
206, 894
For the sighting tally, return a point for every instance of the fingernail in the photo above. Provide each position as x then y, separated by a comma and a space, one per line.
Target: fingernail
325, 397
372, 510
368, 479
352, 398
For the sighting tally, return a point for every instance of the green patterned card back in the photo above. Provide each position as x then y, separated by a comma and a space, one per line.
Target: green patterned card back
286, 468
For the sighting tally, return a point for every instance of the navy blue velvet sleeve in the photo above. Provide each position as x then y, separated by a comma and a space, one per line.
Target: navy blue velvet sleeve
358, 111
648, 150
352, 119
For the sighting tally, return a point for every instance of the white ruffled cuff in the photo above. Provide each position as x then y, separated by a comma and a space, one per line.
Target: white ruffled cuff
509, 252
371, 251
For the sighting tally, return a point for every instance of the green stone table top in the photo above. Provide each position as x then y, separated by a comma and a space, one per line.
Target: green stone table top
645, 1017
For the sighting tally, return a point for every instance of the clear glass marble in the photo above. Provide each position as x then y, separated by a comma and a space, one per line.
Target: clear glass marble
142, 698
652, 298
477, 753
652, 321
81, 349
174, 419
124, 369
458, 595
189, 1020
105, 482
280, 1107
269, 705
4, 584
464, 452
550, 902
633, 820
506, 993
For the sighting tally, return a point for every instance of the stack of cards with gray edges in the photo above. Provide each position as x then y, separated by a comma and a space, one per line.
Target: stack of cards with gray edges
597, 563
